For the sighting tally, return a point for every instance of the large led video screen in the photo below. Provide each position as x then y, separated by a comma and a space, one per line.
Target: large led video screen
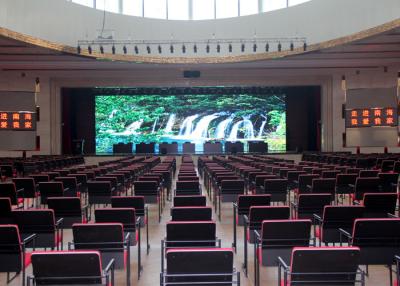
190, 118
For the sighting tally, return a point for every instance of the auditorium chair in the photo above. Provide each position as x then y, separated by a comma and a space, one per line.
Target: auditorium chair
199, 267
151, 192
378, 205
259, 182
354, 171
115, 185
72, 184
253, 223
378, 240
277, 189
191, 213
190, 201
293, 178
345, 185
13, 255
49, 233
334, 218
39, 178
99, 192
52, 175
368, 173
303, 182
107, 238
51, 189
387, 166
388, 182
131, 223
69, 209
6, 211
228, 192
16, 196
188, 188
189, 234
365, 185
81, 180
323, 186
322, 266
309, 204
330, 174
277, 238
70, 268
29, 186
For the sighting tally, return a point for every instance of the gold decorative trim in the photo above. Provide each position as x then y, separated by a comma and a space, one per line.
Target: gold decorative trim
199, 60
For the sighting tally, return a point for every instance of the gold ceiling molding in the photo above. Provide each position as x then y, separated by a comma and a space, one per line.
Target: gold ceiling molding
197, 60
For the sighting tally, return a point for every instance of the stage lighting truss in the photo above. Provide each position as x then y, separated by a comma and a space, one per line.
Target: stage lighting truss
212, 46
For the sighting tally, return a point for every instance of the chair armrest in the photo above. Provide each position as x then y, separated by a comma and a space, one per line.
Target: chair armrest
294, 205
85, 207
392, 215
127, 238
295, 181
138, 221
246, 219
282, 263
29, 238
110, 265
66, 189
345, 233
317, 218
356, 203
59, 222
257, 234
20, 190
351, 185
309, 187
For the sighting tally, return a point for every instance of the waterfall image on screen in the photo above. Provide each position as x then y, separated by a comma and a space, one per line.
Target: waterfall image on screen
190, 118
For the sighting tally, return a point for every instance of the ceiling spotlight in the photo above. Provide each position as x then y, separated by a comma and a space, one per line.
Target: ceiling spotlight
78, 49
291, 46
113, 49
218, 48
305, 46
183, 49
101, 49
136, 50
159, 49
243, 48
171, 49
279, 47
255, 47
195, 49
148, 49
208, 48
90, 50
267, 47
230, 48
125, 49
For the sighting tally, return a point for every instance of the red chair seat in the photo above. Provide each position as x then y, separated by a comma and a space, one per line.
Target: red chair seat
28, 260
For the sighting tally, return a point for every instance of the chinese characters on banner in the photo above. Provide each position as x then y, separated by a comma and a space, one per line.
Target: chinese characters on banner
371, 117
17, 120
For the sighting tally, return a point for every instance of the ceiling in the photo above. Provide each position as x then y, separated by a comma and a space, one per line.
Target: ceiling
374, 52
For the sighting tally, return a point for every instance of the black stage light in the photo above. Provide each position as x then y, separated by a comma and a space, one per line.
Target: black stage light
243, 48
267, 47
218, 48
208, 48
171, 49
291, 46
125, 49
305, 46
279, 47
78, 49
101, 49
255, 48
113, 49
90, 50
230, 48
148, 49
183, 49
195, 49
159, 49
136, 50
